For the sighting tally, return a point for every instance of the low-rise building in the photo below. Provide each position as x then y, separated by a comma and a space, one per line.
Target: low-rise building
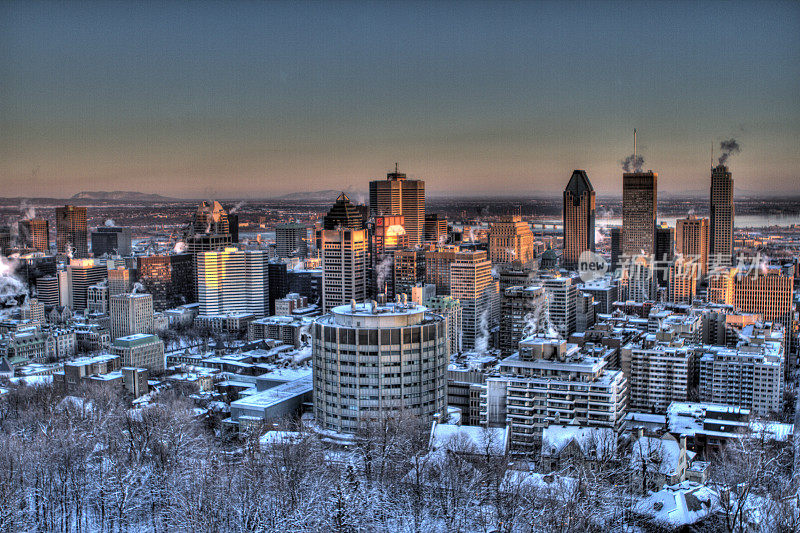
140, 350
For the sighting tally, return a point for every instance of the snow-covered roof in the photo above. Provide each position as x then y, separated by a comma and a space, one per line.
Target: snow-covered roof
679, 505
661, 455
603, 441
469, 439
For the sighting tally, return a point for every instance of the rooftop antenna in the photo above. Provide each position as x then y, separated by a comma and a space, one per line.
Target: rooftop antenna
712, 155
634, 144
395, 168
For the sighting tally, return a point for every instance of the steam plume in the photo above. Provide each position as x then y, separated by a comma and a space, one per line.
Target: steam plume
633, 163
728, 148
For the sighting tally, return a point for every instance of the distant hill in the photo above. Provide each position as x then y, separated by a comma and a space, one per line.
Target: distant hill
313, 196
127, 196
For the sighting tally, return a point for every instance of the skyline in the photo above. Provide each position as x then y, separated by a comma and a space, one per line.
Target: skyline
269, 99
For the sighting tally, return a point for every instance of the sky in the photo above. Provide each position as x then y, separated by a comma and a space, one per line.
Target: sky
257, 99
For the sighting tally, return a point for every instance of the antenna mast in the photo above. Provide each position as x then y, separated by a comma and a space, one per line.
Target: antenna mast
712, 155
634, 144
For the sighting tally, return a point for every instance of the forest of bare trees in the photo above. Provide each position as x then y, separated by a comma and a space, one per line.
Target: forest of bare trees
93, 463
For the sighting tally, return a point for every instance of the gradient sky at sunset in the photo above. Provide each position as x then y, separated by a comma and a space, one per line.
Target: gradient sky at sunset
262, 98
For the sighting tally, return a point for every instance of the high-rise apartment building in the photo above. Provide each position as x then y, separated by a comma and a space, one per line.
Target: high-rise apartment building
81, 274
511, 240
35, 233
552, 382
472, 284
659, 368
71, 231
578, 218
450, 309
372, 362
233, 281
639, 206
691, 240
131, 313
344, 266
523, 313
111, 240
562, 303
749, 375
720, 235
397, 195
291, 240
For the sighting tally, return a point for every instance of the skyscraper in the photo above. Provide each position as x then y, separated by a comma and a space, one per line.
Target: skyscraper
691, 238
35, 233
344, 214
210, 217
435, 228
120, 280
344, 266
291, 240
397, 195
233, 281
511, 240
639, 205
683, 274
664, 253
472, 284
111, 240
720, 238
81, 274
524, 313
168, 278
579, 217
130, 314
278, 282
437, 266
71, 232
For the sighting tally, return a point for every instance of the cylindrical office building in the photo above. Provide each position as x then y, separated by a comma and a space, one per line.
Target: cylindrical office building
373, 361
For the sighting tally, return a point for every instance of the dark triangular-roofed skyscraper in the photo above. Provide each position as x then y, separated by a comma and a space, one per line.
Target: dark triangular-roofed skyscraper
579, 218
344, 214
